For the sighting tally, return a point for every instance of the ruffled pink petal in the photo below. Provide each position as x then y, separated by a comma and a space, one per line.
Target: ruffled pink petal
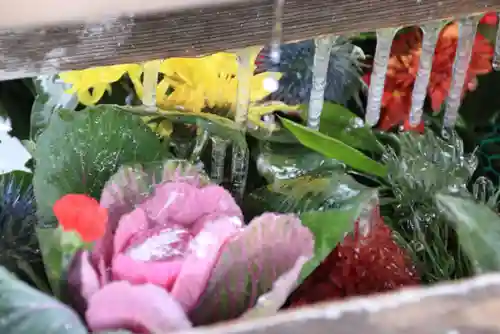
120, 195
141, 308
83, 280
217, 200
198, 265
162, 273
130, 224
174, 202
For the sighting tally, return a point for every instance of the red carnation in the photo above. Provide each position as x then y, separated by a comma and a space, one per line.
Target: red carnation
82, 214
403, 67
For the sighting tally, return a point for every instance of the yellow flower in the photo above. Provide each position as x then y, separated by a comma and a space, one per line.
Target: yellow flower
91, 84
209, 82
192, 84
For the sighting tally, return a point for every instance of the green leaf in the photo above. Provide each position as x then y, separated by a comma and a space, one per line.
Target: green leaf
329, 228
478, 229
318, 190
333, 148
276, 161
27, 310
214, 124
340, 123
78, 154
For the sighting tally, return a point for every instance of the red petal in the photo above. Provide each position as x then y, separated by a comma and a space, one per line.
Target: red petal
489, 19
83, 214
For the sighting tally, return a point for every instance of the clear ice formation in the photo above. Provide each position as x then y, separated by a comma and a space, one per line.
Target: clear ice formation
431, 34
219, 149
240, 155
467, 28
380, 62
323, 48
150, 82
496, 57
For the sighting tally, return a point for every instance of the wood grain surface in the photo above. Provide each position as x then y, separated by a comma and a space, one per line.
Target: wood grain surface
78, 34
465, 307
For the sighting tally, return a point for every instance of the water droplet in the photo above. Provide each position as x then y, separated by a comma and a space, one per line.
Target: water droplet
380, 62
431, 33
323, 48
271, 85
467, 28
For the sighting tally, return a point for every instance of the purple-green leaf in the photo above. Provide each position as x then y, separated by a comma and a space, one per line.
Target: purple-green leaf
250, 264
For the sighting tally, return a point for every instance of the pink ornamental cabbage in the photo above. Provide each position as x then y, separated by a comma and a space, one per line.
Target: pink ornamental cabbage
176, 253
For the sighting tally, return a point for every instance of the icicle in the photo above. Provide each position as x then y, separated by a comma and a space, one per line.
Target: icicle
271, 84
239, 159
496, 57
466, 36
367, 214
377, 81
320, 72
150, 82
431, 34
199, 145
219, 149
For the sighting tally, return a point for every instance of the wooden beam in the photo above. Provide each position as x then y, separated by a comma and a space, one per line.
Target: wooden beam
464, 307
65, 35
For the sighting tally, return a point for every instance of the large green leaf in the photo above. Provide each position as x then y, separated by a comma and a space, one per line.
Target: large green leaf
339, 123
333, 148
478, 229
78, 153
27, 310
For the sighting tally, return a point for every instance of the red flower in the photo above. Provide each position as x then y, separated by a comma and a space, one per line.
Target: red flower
361, 265
490, 19
82, 214
403, 66
442, 66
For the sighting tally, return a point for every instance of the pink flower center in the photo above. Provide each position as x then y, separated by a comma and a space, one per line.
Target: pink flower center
166, 244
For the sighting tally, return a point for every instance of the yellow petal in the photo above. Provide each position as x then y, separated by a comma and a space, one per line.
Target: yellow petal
89, 99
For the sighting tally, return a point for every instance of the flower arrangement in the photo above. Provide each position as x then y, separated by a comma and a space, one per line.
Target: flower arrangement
131, 221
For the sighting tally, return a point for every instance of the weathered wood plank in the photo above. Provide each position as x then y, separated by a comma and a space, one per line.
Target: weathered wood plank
58, 45
466, 307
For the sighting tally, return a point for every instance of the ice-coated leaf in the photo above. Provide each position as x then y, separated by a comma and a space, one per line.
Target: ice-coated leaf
340, 123
318, 190
250, 264
478, 229
277, 161
27, 310
334, 148
215, 124
80, 151
329, 228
